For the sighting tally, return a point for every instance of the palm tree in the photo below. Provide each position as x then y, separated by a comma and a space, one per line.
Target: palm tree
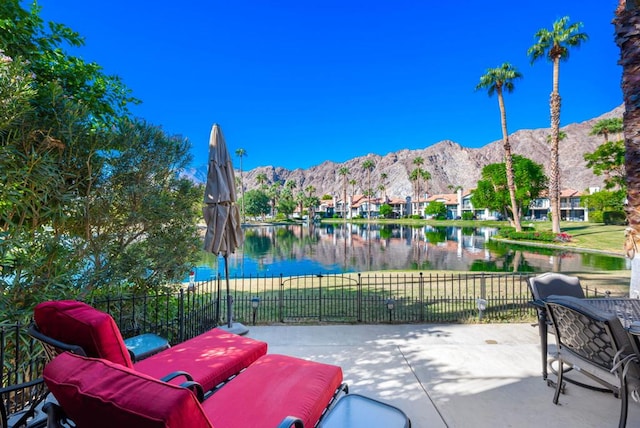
274, 194
311, 201
626, 23
241, 153
344, 172
383, 184
555, 45
497, 80
413, 177
369, 165
426, 176
418, 161
352, 183
605, 127
261, 179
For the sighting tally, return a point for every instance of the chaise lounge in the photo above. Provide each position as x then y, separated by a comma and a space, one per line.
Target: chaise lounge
280, 391
210, 358
276, 391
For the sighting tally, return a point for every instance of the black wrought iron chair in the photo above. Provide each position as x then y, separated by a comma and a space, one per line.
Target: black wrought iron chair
543, 286
595, 344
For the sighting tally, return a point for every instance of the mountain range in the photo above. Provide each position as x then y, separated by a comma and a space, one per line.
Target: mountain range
449, 164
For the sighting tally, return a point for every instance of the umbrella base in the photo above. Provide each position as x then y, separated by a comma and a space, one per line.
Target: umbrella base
236, 328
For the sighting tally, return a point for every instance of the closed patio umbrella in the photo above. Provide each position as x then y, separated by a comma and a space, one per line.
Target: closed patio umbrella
221, 213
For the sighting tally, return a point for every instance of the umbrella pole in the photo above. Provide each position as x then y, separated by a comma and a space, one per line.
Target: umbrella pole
229, 301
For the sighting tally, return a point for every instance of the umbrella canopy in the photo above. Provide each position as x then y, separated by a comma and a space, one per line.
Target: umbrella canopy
221, 214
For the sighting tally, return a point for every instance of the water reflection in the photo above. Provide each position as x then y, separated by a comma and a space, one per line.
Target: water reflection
336, 248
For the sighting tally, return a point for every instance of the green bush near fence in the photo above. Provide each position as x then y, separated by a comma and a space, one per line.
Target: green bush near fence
527, 235
618, 218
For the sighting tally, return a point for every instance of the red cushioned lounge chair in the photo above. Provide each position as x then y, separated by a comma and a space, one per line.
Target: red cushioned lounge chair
210, 358
276, 391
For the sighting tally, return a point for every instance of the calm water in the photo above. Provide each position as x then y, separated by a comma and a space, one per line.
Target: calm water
301, 249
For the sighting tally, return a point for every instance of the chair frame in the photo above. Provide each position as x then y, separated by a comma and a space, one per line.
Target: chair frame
541, 287
596, 359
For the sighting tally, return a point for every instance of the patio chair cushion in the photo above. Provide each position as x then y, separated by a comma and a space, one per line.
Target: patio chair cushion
272, 388
77, 323
553, 283
210, 358
98, 393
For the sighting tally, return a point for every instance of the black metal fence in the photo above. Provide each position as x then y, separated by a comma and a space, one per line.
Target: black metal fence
377, 298
350, 298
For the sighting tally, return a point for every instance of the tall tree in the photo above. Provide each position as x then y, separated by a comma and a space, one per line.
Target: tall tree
418, 161
274, 192
109, 208
627, 22
497, 81
383, 184
492, 189
241, 153
353, 182
344, 172
555, 44
261, 179
605, 127
368, 165
608, 158
312, 201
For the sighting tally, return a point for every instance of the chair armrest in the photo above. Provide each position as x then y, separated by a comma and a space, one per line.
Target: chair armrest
196, 388
75, 349
55, 415
176, 374
290, 421
537, 303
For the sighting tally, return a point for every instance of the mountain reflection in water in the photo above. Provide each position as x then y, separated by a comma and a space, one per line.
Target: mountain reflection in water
339, 248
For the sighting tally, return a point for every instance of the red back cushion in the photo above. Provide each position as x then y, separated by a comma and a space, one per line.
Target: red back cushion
97, 393
77, 323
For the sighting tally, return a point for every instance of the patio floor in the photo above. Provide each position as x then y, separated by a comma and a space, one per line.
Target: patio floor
485, 375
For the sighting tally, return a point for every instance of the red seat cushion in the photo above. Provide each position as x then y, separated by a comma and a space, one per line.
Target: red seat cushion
211, 358
97, 393
77, 323
272, 388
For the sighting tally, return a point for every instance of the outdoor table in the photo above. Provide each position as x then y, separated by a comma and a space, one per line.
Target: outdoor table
357, 411
627, 309
145, 345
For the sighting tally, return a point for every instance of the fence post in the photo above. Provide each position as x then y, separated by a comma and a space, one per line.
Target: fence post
421, 296
218, 299
359, 297
319, 297
281, 301
181, 315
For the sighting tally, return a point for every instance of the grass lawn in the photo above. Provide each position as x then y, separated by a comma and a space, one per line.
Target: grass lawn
595, 236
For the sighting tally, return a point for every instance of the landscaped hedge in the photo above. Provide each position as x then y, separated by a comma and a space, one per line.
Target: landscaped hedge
614, 217
527, 235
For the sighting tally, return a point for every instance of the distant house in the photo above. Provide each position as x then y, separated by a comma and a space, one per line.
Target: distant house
326, 208
450, 200
456, 203
570, 207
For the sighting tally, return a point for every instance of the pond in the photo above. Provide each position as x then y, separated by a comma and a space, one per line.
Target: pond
340, 248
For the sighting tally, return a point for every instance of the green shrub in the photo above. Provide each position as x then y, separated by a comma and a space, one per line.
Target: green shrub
618, 218
527, 235
415, 217
595, 217
467, 215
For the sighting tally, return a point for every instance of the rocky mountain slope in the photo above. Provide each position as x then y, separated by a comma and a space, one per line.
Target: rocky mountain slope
449, 163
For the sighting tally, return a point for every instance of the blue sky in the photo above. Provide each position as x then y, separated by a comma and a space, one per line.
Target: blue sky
295, 83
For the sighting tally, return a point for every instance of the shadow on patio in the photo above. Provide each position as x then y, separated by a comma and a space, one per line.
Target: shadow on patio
453, 375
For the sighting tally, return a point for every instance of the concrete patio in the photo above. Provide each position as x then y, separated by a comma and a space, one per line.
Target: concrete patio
450, 375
